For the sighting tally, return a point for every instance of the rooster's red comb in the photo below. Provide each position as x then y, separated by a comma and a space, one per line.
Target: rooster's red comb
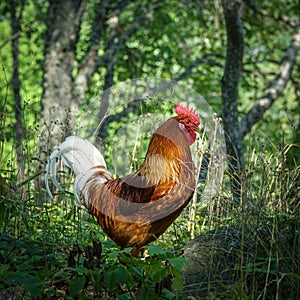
190, 112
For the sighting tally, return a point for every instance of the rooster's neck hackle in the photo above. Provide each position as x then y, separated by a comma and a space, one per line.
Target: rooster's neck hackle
159, 170
167, 154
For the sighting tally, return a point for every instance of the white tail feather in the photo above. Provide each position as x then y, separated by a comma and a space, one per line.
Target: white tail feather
83, 158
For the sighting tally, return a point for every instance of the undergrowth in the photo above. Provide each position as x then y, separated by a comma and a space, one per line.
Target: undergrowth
58, 251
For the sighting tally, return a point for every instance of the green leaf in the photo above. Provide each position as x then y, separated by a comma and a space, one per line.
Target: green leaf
177, 262
76, 286
138, 272
2, 213
155, 250
159, 275
124, 297
121, 275
109, 279
3, 271
32, 283
168, 294
177, 283
114, 254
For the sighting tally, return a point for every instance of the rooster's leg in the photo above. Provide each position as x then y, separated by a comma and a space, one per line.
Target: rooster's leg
135, 251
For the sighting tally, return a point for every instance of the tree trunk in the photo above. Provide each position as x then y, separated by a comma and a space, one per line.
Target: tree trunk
58, 102
59, 105
230, 83
16, 86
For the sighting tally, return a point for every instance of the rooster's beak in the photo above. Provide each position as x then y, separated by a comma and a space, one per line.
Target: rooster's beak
197, 129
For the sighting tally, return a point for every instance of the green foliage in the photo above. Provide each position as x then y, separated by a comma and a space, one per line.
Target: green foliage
22, 264
50, 251
41, 271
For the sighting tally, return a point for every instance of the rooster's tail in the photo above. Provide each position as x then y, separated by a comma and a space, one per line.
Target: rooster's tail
83, 159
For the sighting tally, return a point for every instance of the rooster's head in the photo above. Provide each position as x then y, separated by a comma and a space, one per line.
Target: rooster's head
188, 122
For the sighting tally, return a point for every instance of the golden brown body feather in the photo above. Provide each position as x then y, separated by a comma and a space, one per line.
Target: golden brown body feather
136, 209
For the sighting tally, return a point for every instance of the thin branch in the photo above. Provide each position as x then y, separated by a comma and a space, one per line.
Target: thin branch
78, 16
87, 67
106, 120
120, 6
100, 19
14, 36
276, 88
11, 38
204, 59
275, 17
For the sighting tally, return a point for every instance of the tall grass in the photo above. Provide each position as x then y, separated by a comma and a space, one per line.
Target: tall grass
247, 251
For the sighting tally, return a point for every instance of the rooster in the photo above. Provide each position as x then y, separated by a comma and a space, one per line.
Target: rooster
136, 209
